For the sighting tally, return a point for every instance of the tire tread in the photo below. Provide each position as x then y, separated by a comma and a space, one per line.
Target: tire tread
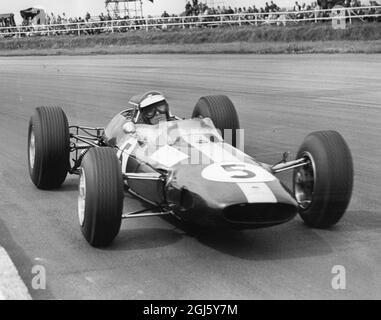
51, 130
222, 112
104, 198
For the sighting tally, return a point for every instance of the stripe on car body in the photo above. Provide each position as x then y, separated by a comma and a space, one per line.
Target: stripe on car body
257, 192
254, 188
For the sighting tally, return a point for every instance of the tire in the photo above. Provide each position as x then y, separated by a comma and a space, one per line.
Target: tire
48, 147
100, 200
323, 188
220, 109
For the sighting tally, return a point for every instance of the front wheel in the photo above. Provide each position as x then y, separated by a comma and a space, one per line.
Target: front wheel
100, 200
323, 187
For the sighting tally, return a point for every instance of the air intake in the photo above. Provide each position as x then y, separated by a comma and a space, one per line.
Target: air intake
259, 213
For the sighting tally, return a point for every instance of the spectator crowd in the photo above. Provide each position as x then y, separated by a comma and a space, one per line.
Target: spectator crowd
302, 10
196, 14
198, 8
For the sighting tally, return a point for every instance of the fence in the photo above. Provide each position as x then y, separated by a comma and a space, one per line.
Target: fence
364, 14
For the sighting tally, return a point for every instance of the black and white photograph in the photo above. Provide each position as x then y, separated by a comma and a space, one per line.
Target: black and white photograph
200, 153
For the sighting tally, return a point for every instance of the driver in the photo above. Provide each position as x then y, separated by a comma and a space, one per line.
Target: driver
154, 112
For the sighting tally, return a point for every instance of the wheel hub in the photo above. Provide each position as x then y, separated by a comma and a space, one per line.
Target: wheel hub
32, 149
304, 180
81, 197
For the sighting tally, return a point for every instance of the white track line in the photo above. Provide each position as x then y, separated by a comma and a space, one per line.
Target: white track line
11, 285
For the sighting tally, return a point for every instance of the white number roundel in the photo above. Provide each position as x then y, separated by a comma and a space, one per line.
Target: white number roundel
236, 172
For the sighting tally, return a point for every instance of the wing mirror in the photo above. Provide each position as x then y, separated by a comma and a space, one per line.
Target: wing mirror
129, 127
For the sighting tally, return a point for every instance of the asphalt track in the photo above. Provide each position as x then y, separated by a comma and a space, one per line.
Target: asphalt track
280, 99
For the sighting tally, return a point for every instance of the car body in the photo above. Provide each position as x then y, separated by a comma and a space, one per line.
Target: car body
187, 168
198, 162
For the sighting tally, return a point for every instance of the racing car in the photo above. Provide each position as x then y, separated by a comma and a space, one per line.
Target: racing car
193, 169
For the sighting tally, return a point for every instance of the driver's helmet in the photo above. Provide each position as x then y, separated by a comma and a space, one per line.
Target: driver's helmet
154, 109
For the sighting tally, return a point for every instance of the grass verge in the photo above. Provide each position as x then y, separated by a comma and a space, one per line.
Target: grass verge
234, 47
362, 38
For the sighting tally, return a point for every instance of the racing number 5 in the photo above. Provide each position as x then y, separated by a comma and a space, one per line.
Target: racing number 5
238, 168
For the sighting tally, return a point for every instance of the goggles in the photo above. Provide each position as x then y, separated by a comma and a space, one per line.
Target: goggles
150, 112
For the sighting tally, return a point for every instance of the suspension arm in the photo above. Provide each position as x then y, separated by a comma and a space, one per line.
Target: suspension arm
85, 139
283, 166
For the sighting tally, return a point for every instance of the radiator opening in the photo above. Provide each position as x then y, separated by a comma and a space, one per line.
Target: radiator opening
259, 213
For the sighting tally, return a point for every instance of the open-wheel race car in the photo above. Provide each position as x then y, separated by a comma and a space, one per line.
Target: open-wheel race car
185, 168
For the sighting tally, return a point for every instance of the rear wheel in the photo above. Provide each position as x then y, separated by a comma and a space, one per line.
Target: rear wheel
220, 109
323, 187
100, 199
48, 147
